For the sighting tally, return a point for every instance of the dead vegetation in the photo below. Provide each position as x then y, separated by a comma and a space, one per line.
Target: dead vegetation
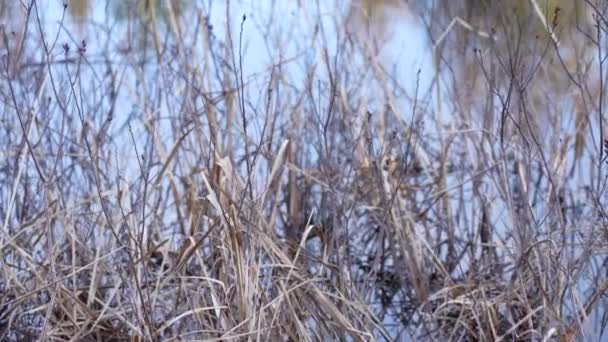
153, 188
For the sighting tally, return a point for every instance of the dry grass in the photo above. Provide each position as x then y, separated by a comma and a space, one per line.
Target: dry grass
153, 188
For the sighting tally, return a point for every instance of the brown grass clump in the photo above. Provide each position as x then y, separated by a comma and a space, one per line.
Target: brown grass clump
161, 179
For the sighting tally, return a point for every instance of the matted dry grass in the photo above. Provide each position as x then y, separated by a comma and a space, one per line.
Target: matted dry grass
151, 188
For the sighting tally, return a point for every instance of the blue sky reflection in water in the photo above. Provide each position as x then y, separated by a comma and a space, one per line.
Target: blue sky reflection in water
396, 35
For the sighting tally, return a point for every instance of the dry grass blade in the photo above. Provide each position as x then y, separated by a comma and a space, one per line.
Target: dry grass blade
170, 157
276, 171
